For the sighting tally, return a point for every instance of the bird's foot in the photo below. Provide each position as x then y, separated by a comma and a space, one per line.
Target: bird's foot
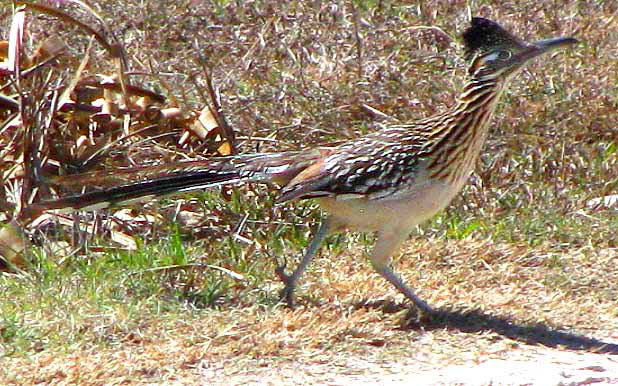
422, 315
287, 293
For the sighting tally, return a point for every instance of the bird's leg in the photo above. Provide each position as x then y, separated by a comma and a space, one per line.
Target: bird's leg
386, 245
290, 280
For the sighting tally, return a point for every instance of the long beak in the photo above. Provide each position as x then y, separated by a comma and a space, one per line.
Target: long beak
550, 44
543, 46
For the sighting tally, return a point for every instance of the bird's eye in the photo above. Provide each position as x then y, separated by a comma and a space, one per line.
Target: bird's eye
504, 55
497, 56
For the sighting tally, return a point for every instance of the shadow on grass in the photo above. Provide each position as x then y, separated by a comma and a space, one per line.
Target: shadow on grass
473, 321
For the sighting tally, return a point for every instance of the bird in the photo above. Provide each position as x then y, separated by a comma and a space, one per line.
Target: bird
386, 182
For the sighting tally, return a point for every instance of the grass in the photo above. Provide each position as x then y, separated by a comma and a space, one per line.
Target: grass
521, 258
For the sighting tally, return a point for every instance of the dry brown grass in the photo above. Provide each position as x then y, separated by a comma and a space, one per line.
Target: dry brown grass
342, 335
520, 259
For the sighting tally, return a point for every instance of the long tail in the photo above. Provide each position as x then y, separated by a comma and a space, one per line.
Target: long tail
113, 188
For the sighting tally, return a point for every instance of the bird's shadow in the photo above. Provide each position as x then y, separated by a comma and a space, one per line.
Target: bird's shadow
474, 321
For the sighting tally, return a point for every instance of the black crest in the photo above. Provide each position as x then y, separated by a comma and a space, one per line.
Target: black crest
485, 35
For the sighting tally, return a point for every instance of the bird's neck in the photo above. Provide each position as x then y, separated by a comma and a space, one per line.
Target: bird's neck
458, 141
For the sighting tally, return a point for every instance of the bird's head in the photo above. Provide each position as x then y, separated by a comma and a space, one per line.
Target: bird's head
495, 53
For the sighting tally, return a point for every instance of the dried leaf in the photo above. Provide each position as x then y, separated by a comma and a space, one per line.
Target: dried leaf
12, 244
207, 120
125, 240
202, 125
15, 40
4, 50
225, 149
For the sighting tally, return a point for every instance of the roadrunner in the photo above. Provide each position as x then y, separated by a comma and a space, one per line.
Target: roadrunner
386, 182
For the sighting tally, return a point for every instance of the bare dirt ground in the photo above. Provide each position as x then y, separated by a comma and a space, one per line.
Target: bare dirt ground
500, 362
524, 366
